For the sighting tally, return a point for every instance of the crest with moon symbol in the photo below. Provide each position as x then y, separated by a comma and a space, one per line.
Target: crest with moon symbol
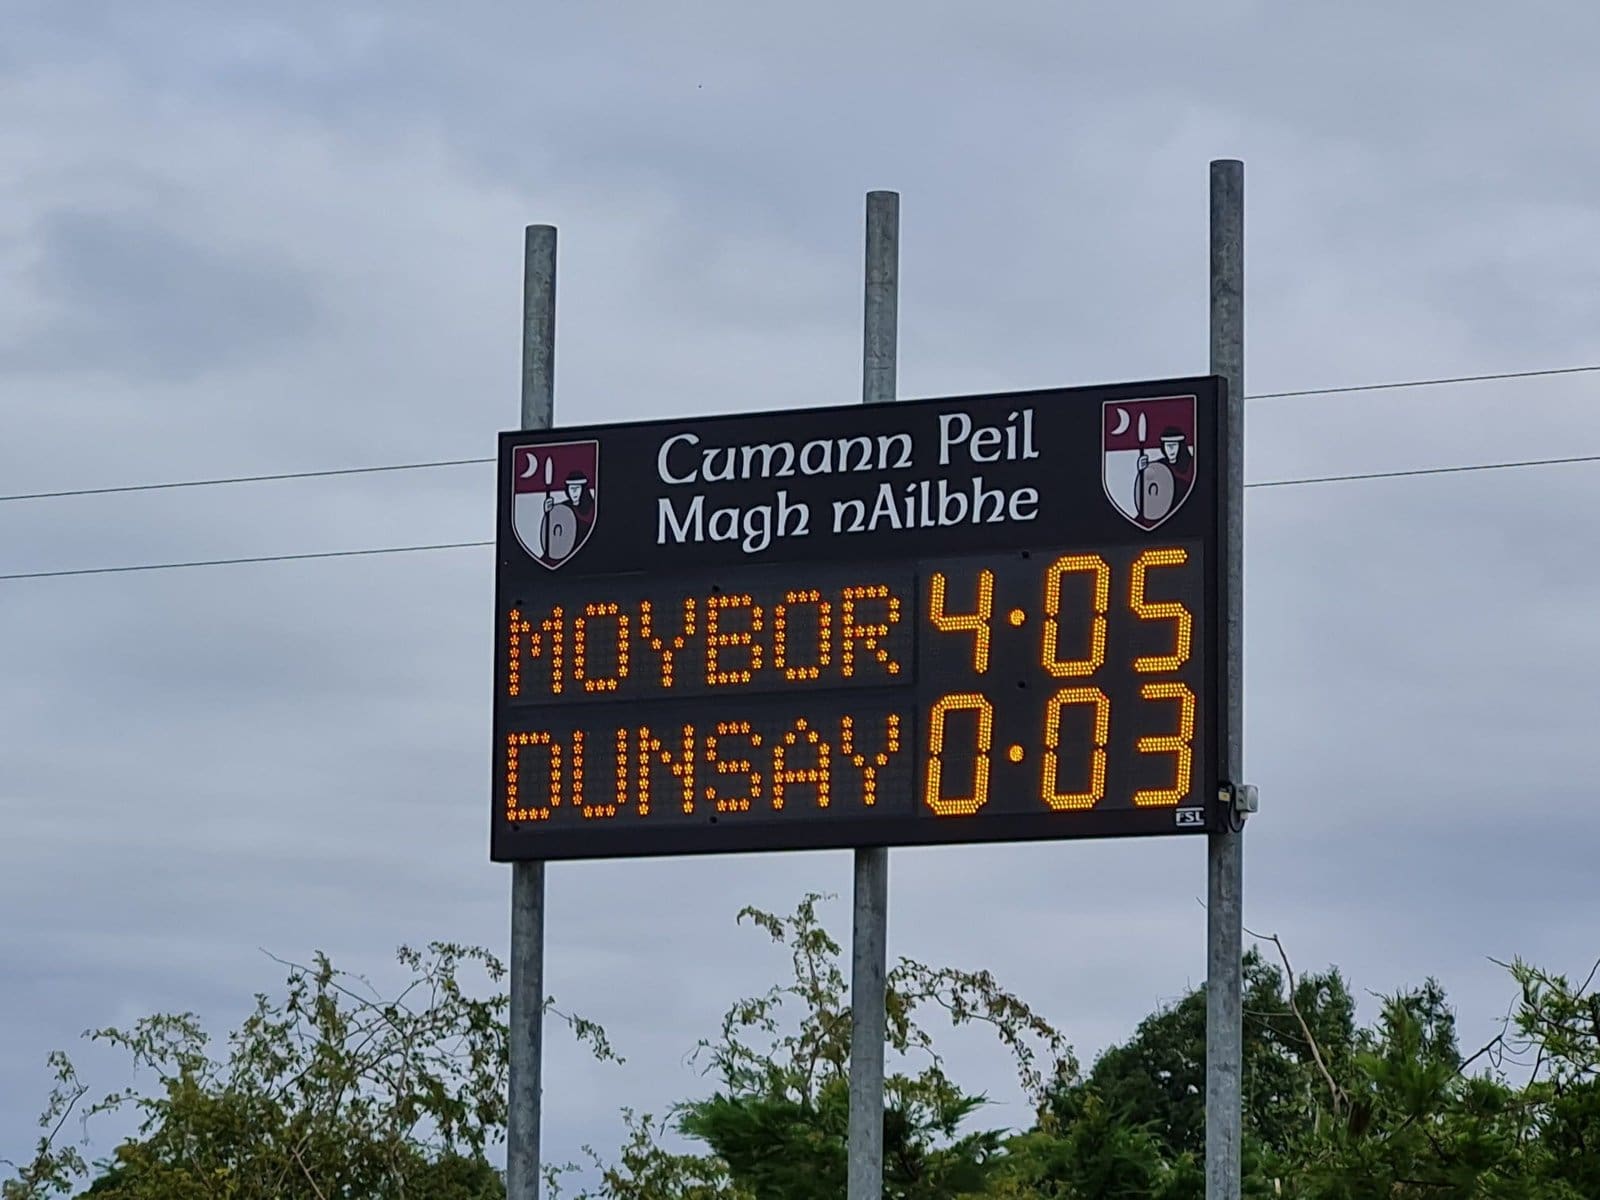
555, 493
1147, 456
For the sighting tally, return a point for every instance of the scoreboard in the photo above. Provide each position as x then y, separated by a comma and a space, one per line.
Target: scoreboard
983, 618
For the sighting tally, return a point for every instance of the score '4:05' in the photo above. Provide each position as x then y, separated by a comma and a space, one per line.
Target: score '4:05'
1076, 684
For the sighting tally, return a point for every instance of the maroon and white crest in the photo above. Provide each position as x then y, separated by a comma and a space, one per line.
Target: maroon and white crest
1147, 456
555, 488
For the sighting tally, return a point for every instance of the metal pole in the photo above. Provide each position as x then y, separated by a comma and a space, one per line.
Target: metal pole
870, 927
880, 339
526, 1032
1225, 849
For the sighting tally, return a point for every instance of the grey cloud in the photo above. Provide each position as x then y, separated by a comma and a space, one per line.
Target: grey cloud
131, 296
296, 757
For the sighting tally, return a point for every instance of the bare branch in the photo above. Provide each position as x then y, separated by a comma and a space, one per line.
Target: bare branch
1334, 1090
307, 1172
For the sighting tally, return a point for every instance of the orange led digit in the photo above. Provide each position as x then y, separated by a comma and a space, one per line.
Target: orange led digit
1181, 745
547, 642
869, 767
667, 649
577, 768
1050, 777
1167, 610
819, 775
780, 634
718, 639
513, 757
553, 627
933, 791
1067, 565
580, 647
518, 627
854, 633
516, 795
976, 622
592, 811
651, 752
733, 766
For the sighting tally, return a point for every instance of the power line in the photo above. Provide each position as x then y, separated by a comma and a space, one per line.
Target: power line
1414, 383
191, 483
232, 562
272, 558
1497, 466
463, 462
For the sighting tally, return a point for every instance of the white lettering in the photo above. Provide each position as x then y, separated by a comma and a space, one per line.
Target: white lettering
708, 460
980, 498
779, 460
787, 510
947, 497
858, 514
897, 441
863, 461
885, 509
1021, 496
666, 449
963, 427
747, 457
690, 529
724, 525
808, 463
988, 436
1028, 450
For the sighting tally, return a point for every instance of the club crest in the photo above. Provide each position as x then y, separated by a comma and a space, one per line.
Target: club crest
555, 489
1147, 456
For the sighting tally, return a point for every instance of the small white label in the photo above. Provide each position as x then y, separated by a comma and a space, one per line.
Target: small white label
1191, 816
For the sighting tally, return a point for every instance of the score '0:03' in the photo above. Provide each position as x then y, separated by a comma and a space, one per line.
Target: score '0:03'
1180, 745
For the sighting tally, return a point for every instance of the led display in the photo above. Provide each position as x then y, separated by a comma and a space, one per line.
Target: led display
1051, 675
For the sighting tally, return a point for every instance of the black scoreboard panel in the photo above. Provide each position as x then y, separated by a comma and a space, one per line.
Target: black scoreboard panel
1052, 686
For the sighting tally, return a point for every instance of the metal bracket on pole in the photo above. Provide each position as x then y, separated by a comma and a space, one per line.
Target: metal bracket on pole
1240, 799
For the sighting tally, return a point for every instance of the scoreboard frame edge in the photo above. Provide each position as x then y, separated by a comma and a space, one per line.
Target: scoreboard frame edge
681, 841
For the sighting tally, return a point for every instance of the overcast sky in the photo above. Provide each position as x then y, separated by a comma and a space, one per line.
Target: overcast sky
285, 236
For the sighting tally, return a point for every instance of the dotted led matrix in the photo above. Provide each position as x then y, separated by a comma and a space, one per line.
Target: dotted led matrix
666, 768
1071, 681
644, 643
711, 703
1023, 691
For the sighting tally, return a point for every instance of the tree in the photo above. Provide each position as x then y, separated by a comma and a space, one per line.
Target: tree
333, 1091
1156, 1079
330, 1090
1337, 1111
1411, 1121
777, 1123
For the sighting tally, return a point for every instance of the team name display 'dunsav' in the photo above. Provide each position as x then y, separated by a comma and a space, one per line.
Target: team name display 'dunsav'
980, 618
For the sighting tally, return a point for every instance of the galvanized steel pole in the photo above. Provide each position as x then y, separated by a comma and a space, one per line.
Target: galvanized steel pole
1225, 849
526, 1031
880, 337
870, 927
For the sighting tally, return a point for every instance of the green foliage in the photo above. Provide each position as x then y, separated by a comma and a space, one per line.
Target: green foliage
1098, 1154
646, 1170
777, 1124
1156, 1080
333, 1091
1558, 1026
330, 1090
1410, 1121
